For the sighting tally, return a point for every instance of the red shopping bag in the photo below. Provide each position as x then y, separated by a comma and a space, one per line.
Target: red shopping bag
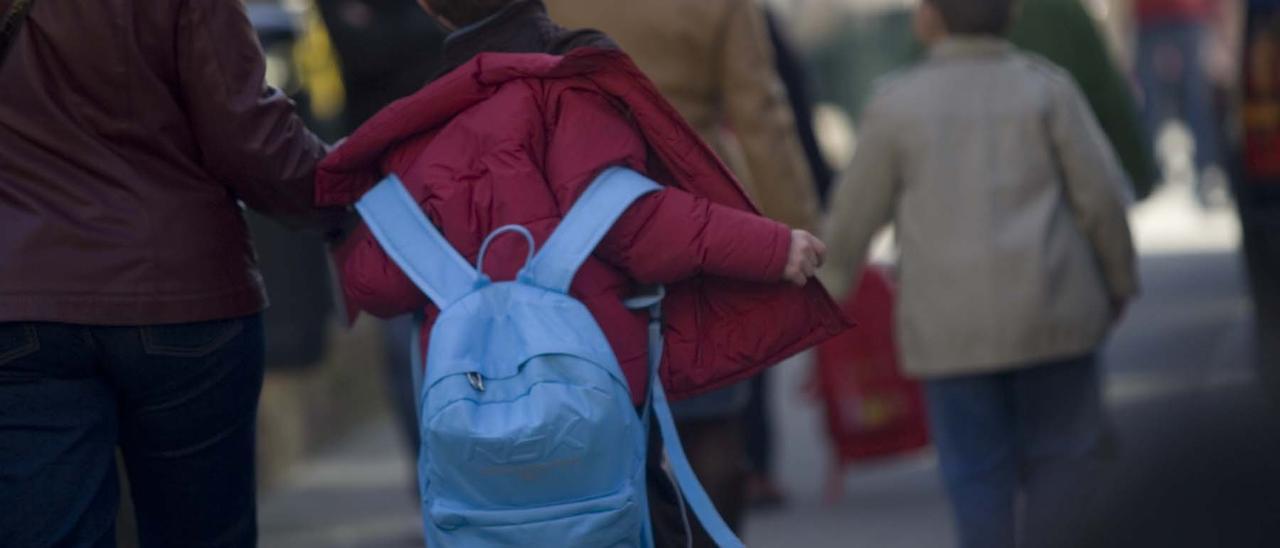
872, 410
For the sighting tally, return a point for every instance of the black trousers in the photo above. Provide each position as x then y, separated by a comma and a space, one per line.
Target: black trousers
715, 449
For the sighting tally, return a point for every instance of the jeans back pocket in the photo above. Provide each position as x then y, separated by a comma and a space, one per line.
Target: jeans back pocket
192, 340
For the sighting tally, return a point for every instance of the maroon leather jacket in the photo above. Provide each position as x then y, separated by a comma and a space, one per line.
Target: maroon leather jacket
130, 131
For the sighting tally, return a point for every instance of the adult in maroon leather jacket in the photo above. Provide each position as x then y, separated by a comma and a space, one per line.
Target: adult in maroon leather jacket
130, 134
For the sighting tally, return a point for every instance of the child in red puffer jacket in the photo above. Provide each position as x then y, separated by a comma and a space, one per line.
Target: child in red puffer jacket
514, 138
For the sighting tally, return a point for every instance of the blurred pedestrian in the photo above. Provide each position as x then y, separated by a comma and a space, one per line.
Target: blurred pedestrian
714, 60
1017, 259
1258, 194
1171, 69
796, 78
1062, 31
130, 135
761, 488
387, 49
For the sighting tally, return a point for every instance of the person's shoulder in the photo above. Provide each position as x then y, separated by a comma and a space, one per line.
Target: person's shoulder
898, 79
560, 96
896, 89
727, 9
1039, 67
1061, 11
720, 5
509, 108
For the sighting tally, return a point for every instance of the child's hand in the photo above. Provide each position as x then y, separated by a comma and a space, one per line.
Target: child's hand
807, 255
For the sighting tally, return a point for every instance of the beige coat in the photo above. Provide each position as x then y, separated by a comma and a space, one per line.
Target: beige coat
1009, 209
712, 59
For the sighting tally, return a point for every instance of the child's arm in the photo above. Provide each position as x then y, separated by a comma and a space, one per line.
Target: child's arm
862, 203
667, 236
1096, 187
371, 281
673, 235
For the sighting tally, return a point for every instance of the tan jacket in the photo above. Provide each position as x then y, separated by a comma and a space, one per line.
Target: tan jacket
713, 61
1009, 209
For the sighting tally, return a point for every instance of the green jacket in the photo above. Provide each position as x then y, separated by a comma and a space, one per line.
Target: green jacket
1064, 33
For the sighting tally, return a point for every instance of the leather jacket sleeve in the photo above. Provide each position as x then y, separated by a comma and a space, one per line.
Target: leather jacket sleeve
249, 134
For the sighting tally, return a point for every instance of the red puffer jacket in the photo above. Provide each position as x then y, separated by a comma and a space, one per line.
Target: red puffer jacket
514, 139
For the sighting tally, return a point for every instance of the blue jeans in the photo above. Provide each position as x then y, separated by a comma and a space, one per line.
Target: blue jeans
1031, 436
180, 401
1178, 89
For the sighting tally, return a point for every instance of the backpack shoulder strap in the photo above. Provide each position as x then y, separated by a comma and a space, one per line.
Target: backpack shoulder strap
690, 489
415, 244
586, 224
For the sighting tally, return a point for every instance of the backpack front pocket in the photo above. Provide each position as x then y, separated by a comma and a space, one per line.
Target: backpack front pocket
605, 522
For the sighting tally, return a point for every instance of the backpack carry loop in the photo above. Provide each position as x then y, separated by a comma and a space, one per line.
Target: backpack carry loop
484, 248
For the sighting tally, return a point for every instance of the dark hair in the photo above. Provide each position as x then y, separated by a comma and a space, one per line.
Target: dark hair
465, 12
975, 16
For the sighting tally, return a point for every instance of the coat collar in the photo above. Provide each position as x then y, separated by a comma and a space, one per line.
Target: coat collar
355, 167
523, 26
970, 46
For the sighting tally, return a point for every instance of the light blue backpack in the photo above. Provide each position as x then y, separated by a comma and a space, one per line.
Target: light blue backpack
529, 436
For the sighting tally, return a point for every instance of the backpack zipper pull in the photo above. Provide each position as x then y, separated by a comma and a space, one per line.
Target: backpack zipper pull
477, 382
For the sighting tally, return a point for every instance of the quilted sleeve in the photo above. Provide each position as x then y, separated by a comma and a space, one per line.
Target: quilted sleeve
371, 281
673, 235
249, 135
667, 236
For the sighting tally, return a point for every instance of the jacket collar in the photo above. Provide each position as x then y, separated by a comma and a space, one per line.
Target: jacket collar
523, 26
356, 166
970, 46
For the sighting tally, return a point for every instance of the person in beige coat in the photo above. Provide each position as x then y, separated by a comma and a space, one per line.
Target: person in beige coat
1016, 258
713, 60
